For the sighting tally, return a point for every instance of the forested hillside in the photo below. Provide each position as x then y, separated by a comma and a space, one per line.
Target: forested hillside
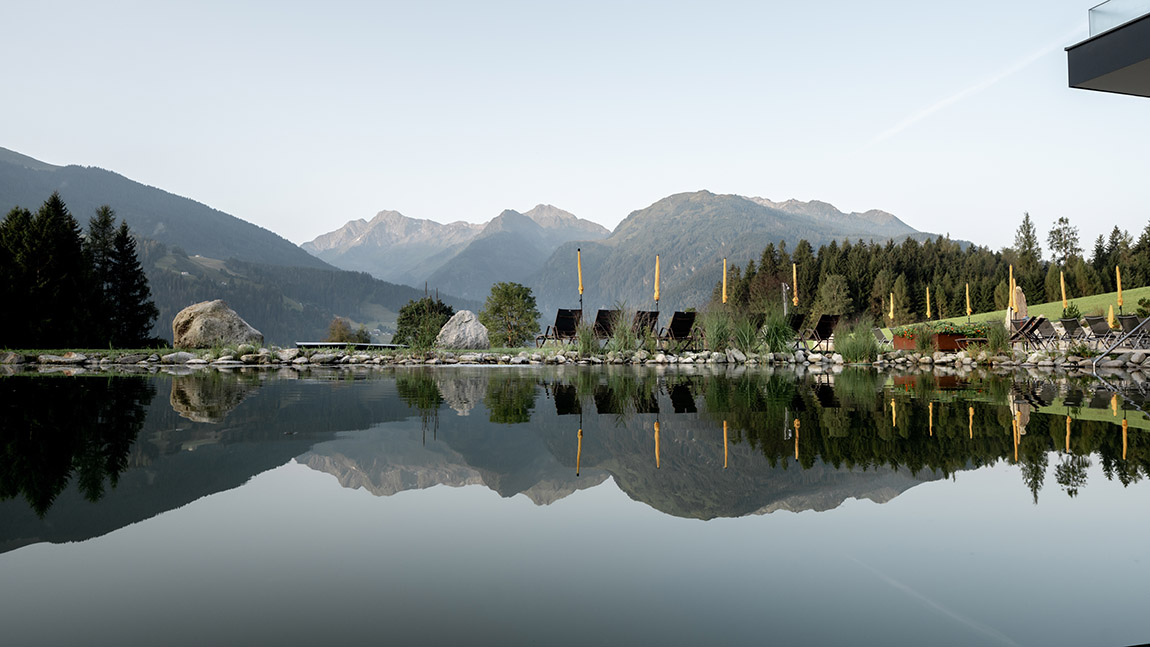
150, 212
286, 304
692, 233
858, 278
191, 253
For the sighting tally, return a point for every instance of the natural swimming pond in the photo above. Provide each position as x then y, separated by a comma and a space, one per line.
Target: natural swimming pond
569, 505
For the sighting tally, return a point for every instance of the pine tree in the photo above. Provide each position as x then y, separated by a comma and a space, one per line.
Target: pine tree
1140, 259
59, 279
1026, 241
808, 271
15, 247
1028, 273
132, 311
1099, 259
98, 249
902, 310
833, 297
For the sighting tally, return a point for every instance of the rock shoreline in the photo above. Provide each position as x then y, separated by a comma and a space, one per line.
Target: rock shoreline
247, 356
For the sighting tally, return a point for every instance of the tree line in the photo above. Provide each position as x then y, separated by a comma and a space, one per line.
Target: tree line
71, 288
857, 279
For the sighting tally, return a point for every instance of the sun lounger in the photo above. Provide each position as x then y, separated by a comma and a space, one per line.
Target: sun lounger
883, 342
1138, 337
645, 322
820, 334
604, 325
1021, 331
1073, 330
679, 330
1043, 334
795, 321
1100, 332
564, 328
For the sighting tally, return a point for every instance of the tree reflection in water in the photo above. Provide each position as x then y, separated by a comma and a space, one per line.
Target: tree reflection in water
418, 389
61, 428
866, 419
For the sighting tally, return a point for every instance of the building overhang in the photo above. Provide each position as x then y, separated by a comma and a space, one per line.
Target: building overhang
1116, 60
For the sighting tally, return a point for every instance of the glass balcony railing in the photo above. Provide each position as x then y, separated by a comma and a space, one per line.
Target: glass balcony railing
1112, 13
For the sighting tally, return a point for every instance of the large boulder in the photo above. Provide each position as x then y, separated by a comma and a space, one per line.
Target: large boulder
212, 323
463, 331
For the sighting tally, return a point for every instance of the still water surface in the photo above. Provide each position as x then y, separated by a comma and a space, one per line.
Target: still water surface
568, 506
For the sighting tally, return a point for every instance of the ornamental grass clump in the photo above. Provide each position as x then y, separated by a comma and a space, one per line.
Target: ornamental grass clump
623, 337
997, 337
856, 341
777, 334
585, 341
923, 339
716, 326
745, 333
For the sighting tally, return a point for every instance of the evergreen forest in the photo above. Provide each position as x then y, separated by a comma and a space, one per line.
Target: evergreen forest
857, 279
69, 288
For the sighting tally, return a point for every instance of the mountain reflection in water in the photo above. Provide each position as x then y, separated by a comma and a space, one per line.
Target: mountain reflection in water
697, 445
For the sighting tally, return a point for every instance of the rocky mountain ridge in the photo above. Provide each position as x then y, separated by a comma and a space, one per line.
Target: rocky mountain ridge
457, 258
692, 233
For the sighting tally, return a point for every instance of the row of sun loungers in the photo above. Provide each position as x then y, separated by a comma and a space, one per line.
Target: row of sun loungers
644, 323
1039, 332
1032, 332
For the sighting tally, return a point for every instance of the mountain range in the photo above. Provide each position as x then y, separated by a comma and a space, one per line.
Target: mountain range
367, 270
192, 252
692, 233
458, 258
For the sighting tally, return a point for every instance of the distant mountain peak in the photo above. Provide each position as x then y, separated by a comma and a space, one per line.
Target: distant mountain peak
407, 250
890, 224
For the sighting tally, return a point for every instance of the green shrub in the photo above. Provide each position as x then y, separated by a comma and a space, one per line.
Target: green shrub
856, 341
1082, 350
1071, 311
419, 322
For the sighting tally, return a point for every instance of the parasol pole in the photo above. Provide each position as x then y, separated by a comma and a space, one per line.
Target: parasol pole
579, 262
656, 284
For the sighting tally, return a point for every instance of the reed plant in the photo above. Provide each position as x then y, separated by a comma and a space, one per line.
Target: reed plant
776, 333
855, 341
716, 327
745, 333
623, 337
924, 339
648, 340
997, 338
585, 342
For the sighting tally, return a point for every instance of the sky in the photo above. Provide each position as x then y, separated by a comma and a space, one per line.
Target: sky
298, 117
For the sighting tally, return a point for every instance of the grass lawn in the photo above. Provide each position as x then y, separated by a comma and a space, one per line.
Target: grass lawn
1094, 304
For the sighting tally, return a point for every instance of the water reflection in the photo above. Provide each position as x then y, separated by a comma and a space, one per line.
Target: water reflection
209, 397
698, 445
76, 429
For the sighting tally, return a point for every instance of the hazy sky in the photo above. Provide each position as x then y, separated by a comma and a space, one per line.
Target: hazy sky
956, 117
